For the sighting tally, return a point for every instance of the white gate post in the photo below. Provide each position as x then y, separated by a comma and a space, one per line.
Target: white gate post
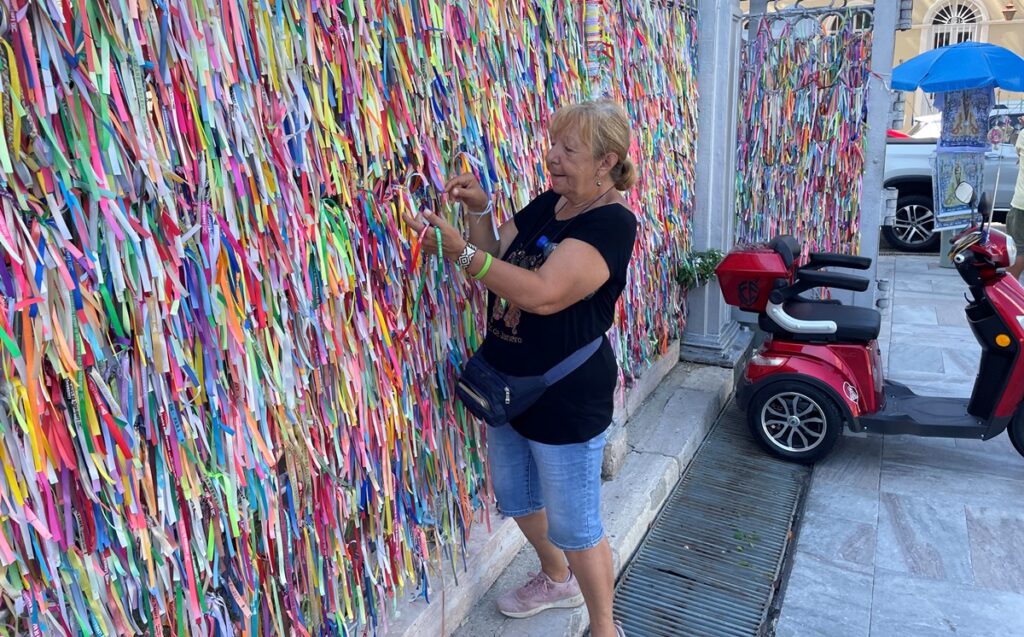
711, 335
872, 203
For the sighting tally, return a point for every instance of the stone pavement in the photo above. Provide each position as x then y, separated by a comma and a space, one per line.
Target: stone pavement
905, 536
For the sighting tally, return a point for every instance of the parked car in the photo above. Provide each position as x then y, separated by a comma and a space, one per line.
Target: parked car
926, 127
908, 169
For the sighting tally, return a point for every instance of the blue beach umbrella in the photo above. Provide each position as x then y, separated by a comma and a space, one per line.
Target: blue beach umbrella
967, 65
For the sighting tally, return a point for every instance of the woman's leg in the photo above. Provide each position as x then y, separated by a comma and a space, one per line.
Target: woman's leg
596, 575
517, 487
552, 558
570, 477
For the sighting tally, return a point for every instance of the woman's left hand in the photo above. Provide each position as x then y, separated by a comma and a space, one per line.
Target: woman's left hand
452, 243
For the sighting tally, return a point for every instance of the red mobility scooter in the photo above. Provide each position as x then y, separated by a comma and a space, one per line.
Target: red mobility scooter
819, 368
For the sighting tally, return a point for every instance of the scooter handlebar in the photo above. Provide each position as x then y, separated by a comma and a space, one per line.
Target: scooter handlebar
830, 259
807, 279
839, 280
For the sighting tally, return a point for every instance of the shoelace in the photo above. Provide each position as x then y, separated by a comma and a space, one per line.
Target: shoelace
538, 581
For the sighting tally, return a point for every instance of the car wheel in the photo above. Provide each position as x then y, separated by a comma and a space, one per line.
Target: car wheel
795, 421
913, 229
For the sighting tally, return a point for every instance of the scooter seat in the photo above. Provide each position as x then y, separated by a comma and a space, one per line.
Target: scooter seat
854, 324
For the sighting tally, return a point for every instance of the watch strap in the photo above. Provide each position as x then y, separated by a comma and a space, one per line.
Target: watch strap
467, 256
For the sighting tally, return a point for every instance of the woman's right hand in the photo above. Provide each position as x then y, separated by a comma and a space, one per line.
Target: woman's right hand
467, 190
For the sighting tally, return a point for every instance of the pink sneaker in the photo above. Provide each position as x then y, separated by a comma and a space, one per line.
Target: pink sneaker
540, 594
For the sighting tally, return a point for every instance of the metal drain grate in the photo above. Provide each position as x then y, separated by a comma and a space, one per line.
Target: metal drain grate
710, 562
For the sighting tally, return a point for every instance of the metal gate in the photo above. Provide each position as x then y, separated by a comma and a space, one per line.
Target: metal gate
803, 114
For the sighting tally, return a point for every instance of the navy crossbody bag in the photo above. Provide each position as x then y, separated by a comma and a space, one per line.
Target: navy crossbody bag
497, 398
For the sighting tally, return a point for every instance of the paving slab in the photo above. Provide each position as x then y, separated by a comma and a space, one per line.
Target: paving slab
919, 297
933, 384
1000, 445
961, 364
953, 319
923, 538
825, 599
920, 287
675, 432
915, 314
908, 357
941, 335
839, 541
856, 463
637, 398
996, 537
849, 503
907, 606
630, 504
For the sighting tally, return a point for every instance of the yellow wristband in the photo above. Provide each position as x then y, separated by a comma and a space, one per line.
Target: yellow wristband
487, 266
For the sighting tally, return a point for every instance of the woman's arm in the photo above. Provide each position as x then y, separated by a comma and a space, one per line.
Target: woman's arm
482, 235
465, 189
572, 272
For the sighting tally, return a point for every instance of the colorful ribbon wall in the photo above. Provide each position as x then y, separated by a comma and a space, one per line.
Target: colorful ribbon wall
226, 399
803, 101
654, 74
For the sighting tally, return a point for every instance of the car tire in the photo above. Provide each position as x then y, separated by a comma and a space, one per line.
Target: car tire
913, 229
795, 421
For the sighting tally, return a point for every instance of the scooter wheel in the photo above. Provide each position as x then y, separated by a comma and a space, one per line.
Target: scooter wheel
795, 421
1016, 433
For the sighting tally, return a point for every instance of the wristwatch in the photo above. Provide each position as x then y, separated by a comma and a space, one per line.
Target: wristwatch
467, 256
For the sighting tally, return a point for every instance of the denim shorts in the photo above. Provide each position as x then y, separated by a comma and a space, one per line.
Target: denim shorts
565, 480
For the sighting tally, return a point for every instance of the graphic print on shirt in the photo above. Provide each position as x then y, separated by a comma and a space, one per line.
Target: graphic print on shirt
507, 313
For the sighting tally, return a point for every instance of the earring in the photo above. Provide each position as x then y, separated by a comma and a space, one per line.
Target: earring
599, 183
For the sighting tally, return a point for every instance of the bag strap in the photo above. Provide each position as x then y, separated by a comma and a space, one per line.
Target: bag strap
573, 361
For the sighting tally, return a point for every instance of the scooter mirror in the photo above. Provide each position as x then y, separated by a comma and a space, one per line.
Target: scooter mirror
964, 192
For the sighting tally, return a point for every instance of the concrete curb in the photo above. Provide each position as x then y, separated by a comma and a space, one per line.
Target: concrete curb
489, 554
618, 440
662, 438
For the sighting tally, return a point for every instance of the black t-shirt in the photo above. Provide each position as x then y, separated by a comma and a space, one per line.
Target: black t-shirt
519, 343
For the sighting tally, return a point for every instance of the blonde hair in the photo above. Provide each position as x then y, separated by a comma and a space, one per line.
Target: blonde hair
604, 126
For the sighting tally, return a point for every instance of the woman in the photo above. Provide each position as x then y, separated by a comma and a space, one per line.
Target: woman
1015, 218
555, 273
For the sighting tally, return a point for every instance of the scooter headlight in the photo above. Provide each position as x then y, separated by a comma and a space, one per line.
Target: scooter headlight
759, 360
1011, 250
